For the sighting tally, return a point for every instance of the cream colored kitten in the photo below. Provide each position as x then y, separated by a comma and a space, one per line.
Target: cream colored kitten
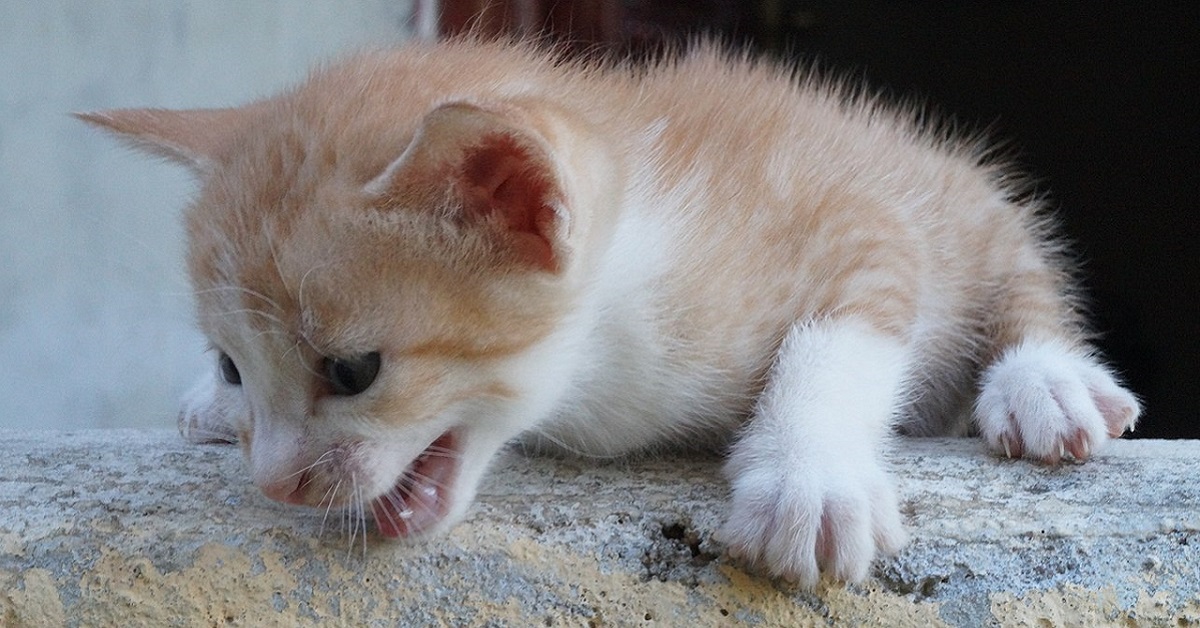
419, 255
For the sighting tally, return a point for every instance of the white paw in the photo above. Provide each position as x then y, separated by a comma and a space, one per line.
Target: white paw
210, 412
797, 523
1045, 401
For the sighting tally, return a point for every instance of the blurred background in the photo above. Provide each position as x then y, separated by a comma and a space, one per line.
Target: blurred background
1098, 101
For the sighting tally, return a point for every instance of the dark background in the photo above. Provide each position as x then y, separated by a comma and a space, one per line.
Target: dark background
1098, 101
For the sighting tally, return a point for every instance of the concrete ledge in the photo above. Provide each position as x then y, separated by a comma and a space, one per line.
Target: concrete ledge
135, 528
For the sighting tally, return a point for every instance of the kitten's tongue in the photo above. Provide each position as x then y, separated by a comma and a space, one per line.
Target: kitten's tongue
417, 501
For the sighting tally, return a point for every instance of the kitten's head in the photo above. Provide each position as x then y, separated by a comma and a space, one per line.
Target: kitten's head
383, 286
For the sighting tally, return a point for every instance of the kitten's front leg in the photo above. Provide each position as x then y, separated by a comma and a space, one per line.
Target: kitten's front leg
211, 410
809, 490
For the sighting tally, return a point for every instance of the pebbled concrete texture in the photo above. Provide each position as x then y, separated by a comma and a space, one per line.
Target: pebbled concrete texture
135, 527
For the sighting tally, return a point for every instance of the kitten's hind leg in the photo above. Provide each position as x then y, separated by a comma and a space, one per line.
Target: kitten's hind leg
1047, 399
210, 411
810, 493
1046, 395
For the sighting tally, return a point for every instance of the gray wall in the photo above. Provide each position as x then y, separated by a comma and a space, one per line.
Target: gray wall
95, 312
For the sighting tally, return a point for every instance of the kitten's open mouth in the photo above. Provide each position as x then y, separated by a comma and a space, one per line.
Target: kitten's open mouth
420, 498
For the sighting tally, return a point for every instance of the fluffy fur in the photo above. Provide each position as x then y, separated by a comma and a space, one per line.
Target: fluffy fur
602, 260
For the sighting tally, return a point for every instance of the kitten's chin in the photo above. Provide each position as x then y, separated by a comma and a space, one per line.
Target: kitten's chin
421, 498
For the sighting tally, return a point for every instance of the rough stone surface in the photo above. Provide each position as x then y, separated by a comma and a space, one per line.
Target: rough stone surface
134, 528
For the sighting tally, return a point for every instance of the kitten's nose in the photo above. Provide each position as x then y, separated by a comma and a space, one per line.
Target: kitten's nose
289, 489
278, 464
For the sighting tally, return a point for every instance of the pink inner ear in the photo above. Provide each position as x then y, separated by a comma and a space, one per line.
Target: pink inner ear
502, 180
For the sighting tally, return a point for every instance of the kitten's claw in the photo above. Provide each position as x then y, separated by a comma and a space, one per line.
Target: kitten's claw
1046, 401
194, 431
210, 412
1079, 446
1009, 447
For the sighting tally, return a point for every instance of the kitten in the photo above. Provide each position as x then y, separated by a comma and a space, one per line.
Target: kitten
418, 255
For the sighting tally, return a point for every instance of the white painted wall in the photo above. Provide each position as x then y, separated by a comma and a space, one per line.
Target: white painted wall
95, 315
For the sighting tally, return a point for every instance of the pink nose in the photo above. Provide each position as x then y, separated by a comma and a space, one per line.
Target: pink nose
289, 489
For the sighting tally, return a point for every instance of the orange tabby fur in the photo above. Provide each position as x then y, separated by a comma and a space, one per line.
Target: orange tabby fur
606, 259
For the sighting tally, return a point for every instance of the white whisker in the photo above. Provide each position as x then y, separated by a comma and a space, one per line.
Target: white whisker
275, 258
322, 459
246, 310
303, 279
329, 495
355, 512
362, 506
254, 293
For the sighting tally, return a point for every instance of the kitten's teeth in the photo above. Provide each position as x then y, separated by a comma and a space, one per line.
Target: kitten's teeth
1007, 449
405, 514
1062, 450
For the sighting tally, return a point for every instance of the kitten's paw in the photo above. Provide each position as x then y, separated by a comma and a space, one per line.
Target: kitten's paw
209, 412
799, 523
1045, 401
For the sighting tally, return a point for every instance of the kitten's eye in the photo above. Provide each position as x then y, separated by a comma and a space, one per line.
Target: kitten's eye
229, 370
350, 376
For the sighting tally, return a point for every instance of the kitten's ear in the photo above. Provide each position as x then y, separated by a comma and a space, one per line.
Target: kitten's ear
500, 173
188, 137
